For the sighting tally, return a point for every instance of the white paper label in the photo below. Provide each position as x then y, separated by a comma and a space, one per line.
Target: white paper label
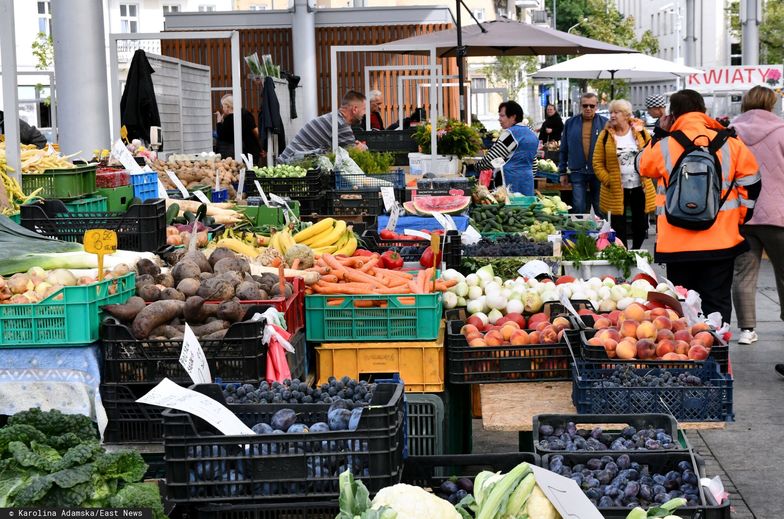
534, 268
557, 241
394, 216
201, 197
450, 223
178, 184
262, 194
565, 495
246, 159
288, 214
645, 267
169, 394
418, 234
569, 308
441, 220
388, 195
471, 236
120, 151
241, 184
162, 190
192, 358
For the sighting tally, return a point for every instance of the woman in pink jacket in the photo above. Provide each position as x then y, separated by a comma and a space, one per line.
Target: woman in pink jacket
763, 132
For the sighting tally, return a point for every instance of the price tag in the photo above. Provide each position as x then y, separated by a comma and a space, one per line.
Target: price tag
261, 193
120, 151
418, 234
246, 158
288, 214
471, 236
534, 268
435, 246
388, 195
192, 358
201, 197
169, 394
569, 308
394, 216
100, 242
216, 171
178, 184
241, 184
645, 267
557, 241
162, 190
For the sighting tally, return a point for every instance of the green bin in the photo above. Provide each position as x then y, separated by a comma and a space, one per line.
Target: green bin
117, 198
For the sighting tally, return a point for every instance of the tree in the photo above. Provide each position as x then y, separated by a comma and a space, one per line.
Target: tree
43, 51
568, 12
510, 71
771, 30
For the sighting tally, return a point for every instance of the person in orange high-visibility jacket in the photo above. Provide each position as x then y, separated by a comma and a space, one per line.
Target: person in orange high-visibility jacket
703, 260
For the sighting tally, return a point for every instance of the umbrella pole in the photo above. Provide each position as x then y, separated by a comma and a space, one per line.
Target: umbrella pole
460, 62
612, 85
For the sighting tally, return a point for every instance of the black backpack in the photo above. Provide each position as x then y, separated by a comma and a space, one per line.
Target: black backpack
693, 197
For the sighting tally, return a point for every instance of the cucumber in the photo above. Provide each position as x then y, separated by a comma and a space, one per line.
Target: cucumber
171, 213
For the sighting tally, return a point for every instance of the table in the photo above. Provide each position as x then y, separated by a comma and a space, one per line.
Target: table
66, 379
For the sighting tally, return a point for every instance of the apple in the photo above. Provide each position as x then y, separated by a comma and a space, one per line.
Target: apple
519, 338
635, 312
664, 334
662, 323
682, 347
625, 350
629, 328
610, 347
698, 352
706, 338
664, 347
700, 327
646, 349
501, 321
646, 330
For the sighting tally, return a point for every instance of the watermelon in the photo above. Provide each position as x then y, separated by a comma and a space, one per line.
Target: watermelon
442, 204
410, 209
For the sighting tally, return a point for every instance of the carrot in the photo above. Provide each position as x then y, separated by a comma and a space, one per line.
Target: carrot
414, 288
358, 276
335, 302
407, 300
353, 261
364, 303
275, 262
331, 262
395, 273
369, 265
420, 282
329, 278
448, 284
321, 270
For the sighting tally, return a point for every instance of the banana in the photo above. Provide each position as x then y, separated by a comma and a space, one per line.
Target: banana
275, 241
238, 246
350, 247
332, 237
343, 239
312, 239
325, 250
314, 230
286, 240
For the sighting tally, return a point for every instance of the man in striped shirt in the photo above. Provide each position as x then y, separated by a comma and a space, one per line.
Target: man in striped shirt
316, 135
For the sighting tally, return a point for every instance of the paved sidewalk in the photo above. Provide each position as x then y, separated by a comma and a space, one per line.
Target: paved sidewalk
748, 454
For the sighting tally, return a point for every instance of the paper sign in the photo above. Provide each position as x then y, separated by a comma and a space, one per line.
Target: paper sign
645, 267
100, 241
201, 197
418, 234
557, 241
441, 220
193, 360
471, 236
120, 151
569, 308
261, 193
169, 394
565, 495
178, 184
288, 214
394, 216
241, 184
451, 225
534, 268
246, 159
388, 195
162, 190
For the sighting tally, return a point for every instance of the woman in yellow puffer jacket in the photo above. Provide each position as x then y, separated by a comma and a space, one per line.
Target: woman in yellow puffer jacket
613, 163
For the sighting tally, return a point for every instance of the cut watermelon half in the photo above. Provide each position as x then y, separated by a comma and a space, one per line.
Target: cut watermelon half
441, 204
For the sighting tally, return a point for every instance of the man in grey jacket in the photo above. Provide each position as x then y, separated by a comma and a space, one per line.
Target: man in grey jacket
27, 134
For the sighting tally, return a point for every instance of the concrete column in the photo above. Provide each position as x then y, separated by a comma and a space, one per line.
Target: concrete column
80, 70
750, 18
303, 35
11, 108
690, 54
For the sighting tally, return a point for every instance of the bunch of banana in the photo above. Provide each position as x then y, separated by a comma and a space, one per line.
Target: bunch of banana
282, 240
328, 236
241, 244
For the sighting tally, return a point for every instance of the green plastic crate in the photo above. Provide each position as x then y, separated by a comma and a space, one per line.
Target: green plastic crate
69, 317
395, 322
63, 184
262, 215
94, 204
16, 217
117, 198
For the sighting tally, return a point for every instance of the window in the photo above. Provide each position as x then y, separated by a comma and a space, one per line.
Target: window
129, 18
206, 8
479, 14
171, 8
736, 54
653, 28
45, 17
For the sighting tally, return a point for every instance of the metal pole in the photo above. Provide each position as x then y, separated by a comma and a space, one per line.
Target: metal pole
750, 15
691, 40
304, 37
80, 67
236, 94
460, 62
11, 112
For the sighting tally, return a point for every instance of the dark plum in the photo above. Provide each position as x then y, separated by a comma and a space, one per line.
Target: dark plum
623, 461
262, 428
283, 419
632, 489
448, 487
606, 502
466, 484
546, 430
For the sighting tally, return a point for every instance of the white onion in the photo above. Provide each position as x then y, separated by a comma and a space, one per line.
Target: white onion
494, 316
623, 303
472, 280
607, 305
565, 290
608, 282
496, 301
450, 274
604, 293
475, 307
514, 306
594, 283
450, 300
618, 292
509, 283
461, 301
475, 292
506, 292
492, 288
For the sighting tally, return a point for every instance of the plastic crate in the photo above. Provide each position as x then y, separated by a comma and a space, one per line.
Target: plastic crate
424, 424
176, 194
658, 463
711, 403
420, 364
117, 198
413, 317
371, 181
145, 185
130, 421
638, 421
442, 186
63, 184
312, 185
451, 247
221, 195
499, 364
69, 317
356, 203
290, 510
388, 140
87, 205
720, 352
262, 215
203, 465
239, 356
298, 362
431, 471
141, 228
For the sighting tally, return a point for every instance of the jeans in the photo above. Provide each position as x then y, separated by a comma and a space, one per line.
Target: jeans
581, 183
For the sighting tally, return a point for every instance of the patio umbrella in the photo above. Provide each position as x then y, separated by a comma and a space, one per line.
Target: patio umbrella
622, 66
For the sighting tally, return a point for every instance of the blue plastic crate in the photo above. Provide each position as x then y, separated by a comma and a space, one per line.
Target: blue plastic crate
221, 195
145, 185
592, 394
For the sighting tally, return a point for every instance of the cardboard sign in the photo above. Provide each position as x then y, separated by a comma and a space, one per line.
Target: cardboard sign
178, 184
565, 495
201, 197
192, 358
120, 151
388, 195
169, 394
534, 268
100, 241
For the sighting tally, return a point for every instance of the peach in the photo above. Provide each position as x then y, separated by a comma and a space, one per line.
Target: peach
533, 338
507, 331
610, 347
700, 327
647, 316
646, 330
659, 312
664, 334
584, 311
683, 335
672, 314
635, 312
629, 328
614, 334
679, 324
698, 353
664, 347
474, 335
614, 316
494, 338
513, 324
537, 318
519, 338
468, 329
662, 323
646, 349
517, 318
477, 342
561, 323
671, 356
705, 337
625, 350
501, 321
681, 356
596, 341
476, 322
549, 335
602, 322
682, 347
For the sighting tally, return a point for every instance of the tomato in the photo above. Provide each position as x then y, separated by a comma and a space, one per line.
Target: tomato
386, 234
392, 260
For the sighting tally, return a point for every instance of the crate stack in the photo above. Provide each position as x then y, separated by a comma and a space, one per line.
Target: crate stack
359, 194
312, 191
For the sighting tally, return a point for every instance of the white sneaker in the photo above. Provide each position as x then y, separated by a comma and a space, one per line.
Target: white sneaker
747, 337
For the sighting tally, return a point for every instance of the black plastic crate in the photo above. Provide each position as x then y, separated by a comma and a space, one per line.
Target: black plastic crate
638, 421
298, 360
130, 421
288, 510
359, 202
388, 140
156, 466
431, 471
204, 466
658, 463
442, 186
720, 352
411, 250
499, 364
239, 356
592, 394
141, 228
311, 186
344, 181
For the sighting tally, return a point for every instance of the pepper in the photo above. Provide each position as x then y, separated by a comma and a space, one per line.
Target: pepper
392, 260
363, 252
387, 234
426, 260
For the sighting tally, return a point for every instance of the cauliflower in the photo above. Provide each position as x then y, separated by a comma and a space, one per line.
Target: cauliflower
412, 502
539, 507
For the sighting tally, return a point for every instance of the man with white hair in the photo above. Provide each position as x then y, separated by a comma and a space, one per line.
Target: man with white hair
376, 100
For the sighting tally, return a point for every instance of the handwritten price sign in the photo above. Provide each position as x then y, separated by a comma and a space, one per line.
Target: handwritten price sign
100, 242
